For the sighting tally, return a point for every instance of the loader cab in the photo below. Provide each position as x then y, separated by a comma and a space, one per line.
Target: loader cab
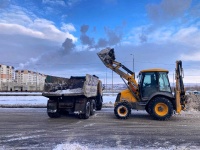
153, 81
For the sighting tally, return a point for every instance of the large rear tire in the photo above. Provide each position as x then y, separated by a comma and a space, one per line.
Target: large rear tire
86, 115
99, 102
92, 107
161, 108
53, 107
122, 110
54, 115
147, 110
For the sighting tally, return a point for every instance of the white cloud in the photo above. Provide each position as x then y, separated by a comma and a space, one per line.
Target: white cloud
17, 21
54, 2
69, 3
188, 36
68, 27
16, 15
159, 35
31, 61
72, 3
191, 75
18, 29
191, 56
51, 31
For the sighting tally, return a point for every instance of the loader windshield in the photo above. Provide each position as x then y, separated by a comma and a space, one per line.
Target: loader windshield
164, 82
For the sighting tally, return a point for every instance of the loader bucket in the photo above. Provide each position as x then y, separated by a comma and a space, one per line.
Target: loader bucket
107, 56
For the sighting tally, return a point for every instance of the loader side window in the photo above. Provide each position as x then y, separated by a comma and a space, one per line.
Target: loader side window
164, 82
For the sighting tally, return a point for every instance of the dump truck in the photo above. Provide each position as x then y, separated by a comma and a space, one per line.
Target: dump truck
80, 95
152, 92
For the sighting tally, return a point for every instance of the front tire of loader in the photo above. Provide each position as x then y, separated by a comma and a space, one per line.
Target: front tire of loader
161, 108
122, 110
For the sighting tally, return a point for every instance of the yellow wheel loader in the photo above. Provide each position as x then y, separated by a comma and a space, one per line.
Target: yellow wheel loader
152, 92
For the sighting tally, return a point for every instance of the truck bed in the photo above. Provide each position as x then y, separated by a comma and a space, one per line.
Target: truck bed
75, 86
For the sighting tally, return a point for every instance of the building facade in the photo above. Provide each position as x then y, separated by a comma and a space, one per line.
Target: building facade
6, 77
29, 80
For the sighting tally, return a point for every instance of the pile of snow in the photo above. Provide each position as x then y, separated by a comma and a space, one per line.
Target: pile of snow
69, 91
193, 102
74, 146
108, 105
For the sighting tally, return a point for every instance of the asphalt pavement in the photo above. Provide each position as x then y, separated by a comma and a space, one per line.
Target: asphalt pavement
31, 128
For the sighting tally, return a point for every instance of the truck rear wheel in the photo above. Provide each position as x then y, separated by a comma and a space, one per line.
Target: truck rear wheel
86, 115
92, 107
161, 108
99, 102
54, 115
52, 109
99, 107
122, 110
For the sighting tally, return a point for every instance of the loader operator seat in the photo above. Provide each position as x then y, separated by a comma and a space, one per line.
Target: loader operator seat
153, 81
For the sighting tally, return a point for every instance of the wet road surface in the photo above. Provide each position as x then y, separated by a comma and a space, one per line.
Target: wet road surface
31, 128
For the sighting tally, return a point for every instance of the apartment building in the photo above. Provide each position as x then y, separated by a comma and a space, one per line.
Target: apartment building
6, 77
29, 80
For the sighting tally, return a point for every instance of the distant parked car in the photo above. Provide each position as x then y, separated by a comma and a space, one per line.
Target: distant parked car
193, 92
196, 92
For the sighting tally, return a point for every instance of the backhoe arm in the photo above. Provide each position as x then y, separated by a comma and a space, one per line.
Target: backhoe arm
179, 89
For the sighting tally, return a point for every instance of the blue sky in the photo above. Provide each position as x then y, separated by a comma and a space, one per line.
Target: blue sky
62, 37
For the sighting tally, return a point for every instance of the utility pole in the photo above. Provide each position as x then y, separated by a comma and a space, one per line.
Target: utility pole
36, 80
106, 80
112, 81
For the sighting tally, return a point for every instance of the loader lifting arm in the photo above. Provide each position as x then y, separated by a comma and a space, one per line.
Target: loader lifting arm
107, 56
179, 89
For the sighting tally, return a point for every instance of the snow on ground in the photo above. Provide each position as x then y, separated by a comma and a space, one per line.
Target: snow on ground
23, 101
76, 146
41, 101
21, 93
193, 101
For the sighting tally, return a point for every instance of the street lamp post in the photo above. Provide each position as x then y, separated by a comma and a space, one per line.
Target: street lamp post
133, 62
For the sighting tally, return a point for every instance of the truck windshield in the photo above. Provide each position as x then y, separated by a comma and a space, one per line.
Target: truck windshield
164, 82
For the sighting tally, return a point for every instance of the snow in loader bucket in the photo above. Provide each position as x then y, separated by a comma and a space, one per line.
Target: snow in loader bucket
85, 85
107, 56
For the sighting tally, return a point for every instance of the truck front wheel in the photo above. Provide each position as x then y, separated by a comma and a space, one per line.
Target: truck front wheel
86, 114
